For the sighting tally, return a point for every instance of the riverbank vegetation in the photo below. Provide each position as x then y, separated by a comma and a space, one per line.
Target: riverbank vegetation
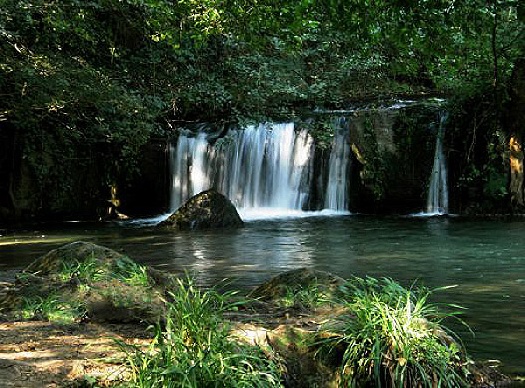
301, 328
85, 85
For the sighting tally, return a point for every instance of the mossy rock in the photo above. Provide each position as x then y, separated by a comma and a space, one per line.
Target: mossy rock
206, 210
295, 281
77, 252
296, 350
93, 282
117, 302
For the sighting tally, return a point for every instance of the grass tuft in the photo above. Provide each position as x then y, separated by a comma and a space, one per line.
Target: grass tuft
51, 308
193, 347
394, 338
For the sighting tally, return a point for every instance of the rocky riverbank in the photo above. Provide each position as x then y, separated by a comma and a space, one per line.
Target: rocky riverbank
66, 317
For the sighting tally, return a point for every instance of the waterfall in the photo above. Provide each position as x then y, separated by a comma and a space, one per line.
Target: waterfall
437, 200
337, 190
189, 160
260, 166
266, 167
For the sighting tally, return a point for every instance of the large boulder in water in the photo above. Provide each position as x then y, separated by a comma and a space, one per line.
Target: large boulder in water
206, 210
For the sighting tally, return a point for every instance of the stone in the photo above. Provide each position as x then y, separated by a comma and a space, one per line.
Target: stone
296, 280
206, 210
515, 117
94, 283
75, 252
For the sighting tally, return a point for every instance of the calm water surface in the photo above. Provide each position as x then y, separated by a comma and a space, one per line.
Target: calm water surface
486, 260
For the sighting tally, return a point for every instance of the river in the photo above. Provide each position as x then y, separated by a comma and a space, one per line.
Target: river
484, 260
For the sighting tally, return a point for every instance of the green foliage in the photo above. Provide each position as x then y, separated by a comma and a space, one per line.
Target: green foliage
193, 348
321, 129
374, 170
88, 270
131, 273
394, 338
475, 129
52, 307
307, 297
67, 290
91, 270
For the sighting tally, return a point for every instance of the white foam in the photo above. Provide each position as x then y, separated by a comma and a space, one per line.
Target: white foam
147, 221
268, 213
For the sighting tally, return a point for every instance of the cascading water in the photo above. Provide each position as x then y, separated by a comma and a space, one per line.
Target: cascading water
264, 167
437, 200
267, 167
337, 187
189, 159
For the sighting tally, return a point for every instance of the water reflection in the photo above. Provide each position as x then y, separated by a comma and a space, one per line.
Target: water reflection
486, 260
243, 256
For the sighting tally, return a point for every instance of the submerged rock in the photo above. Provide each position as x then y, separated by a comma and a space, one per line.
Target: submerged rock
206, 210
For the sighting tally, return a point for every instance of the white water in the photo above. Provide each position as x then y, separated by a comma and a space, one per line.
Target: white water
266, 167
265, 170
336, 191
258, 214
189, 159
437, 200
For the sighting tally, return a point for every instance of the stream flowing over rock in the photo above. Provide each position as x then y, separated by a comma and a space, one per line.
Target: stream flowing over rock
369, 159
206, 210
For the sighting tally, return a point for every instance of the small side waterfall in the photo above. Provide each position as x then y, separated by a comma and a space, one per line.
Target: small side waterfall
437, 200
261, 166
337, 186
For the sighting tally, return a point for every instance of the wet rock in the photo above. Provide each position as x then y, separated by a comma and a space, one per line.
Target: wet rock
206, 210
487, 375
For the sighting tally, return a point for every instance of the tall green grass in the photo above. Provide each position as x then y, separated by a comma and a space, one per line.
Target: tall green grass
192, 348
309, 296
394, 338
61, 297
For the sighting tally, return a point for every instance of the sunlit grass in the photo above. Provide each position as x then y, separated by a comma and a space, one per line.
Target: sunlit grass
394, 338
62, 296
310, 296
51, 308
91, 270
192, 348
